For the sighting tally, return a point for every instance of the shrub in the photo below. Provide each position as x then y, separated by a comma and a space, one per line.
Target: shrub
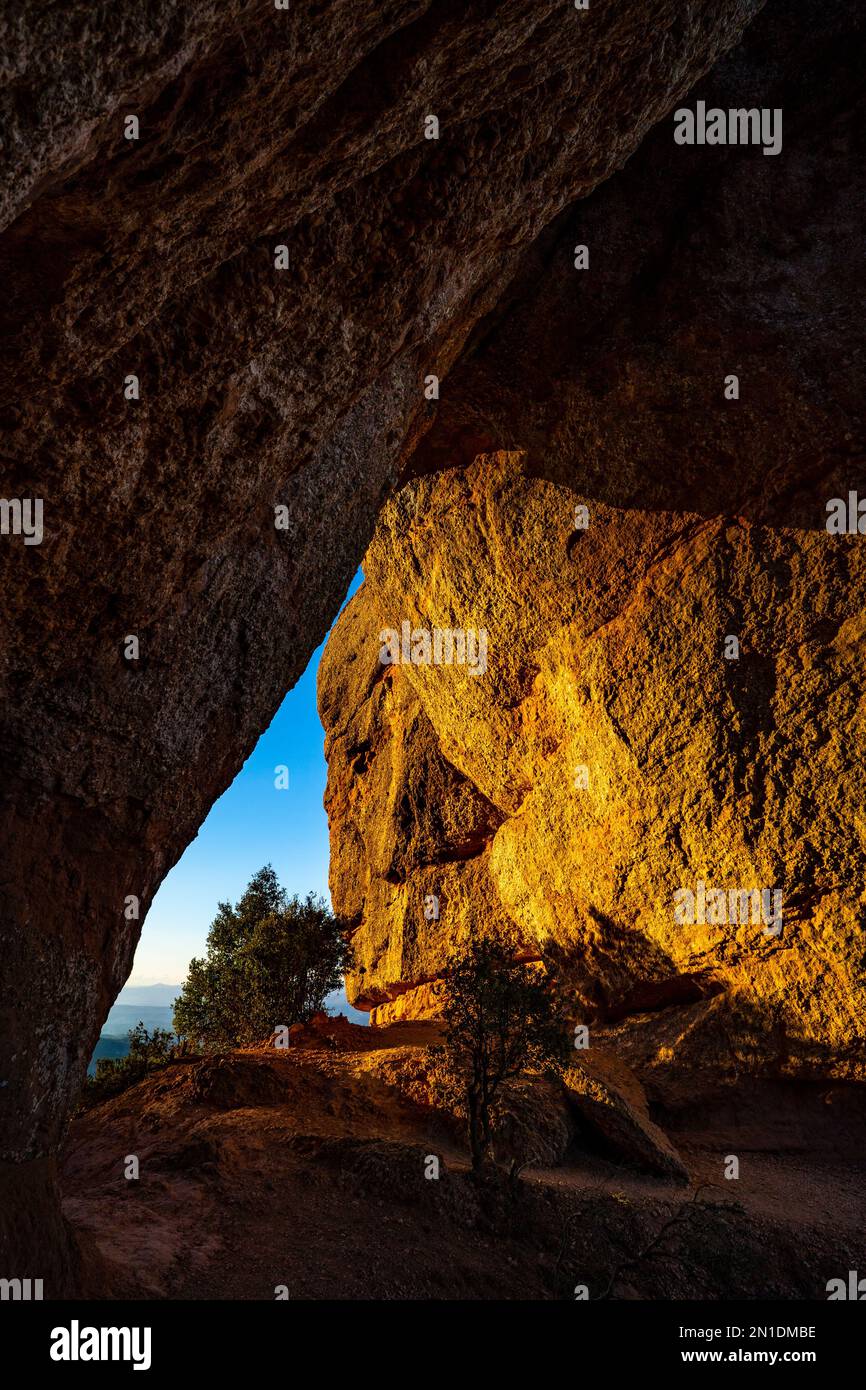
147, 1051
501, 1020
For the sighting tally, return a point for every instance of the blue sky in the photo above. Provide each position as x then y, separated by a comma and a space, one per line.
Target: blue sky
252, 824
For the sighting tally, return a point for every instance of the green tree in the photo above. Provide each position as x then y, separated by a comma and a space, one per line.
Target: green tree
501, 1019
149, 1049
270, 960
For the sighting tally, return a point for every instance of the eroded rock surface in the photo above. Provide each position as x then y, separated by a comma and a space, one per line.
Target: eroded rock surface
607, 655
258, 387
604, 389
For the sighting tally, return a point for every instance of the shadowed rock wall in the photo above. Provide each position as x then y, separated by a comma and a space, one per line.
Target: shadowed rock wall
303, 388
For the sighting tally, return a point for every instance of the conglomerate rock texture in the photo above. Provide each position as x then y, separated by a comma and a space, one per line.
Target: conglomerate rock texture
303, 388
608, 756
617, 749
259, 387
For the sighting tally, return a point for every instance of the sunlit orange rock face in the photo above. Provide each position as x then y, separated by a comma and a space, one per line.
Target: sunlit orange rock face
621, 767
609, 757
303, 389
260, 387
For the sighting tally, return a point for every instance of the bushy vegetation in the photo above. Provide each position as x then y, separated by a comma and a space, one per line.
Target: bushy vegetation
270, 961
147, 1051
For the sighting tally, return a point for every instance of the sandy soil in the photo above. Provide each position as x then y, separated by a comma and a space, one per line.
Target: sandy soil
306, 1169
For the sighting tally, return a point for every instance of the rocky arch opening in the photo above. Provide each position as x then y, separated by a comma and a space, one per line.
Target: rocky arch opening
305, 394
273, 812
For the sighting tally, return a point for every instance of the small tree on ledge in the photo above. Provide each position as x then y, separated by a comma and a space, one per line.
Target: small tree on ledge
501, 1019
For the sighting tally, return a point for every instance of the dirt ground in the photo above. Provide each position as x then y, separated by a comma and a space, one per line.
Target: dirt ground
304, 1173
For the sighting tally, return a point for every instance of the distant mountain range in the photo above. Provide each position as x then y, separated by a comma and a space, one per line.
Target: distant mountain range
148, 994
